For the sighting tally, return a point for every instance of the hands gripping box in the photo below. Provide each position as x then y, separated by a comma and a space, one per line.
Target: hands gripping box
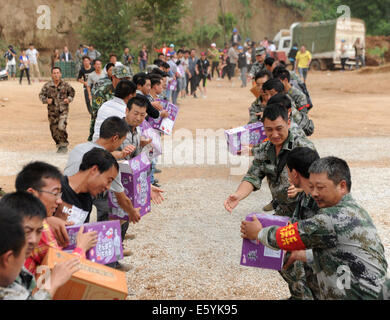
92, 282
109, 246
250, 134
136, 182
257, 255
165, 125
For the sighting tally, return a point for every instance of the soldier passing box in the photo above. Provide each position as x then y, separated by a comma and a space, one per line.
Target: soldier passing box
92, 282
255, 254
250, 134
165, 125
136, 182
109, 246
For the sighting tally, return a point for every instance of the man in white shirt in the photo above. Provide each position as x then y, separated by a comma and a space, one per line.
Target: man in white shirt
33, 56
124, 91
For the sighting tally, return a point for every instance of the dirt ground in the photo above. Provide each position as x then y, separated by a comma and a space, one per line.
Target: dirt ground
346, 104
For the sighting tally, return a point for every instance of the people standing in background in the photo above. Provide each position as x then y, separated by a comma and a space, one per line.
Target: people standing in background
292, 54
143, 58
79, 58
271, 49
84, 72
33, 56
264, 43
233, 58
214, 57
344, 54
192, 67
127, 60
235, 38
204, 68
24, 66
66, 55
92, 53
359, 53
302, 63
55, 57
242, 65
9, 56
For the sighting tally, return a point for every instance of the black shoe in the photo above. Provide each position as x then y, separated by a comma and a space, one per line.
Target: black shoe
155, 180
157, 171
156, 185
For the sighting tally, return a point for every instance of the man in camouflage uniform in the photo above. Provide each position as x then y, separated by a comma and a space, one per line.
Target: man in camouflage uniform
57, 94
259, 64
348, 256
260, 103
104, 91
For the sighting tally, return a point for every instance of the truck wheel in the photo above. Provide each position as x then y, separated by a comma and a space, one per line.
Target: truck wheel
315, 65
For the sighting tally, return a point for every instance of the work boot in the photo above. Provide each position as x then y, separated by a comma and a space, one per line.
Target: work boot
268, 207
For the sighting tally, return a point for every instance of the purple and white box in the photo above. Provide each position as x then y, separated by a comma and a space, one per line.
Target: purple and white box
255, 254
153, 149
109, 246
136, 182
165, 125
250, 134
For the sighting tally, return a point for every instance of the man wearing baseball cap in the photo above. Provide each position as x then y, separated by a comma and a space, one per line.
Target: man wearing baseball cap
259, 64
214, 56
104, 90
235, 38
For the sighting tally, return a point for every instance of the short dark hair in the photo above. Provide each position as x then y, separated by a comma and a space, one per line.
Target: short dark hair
24, 204
282, 99
113, 55
166, 65
86, 57
269, 61
158, 62
96, 60
336, 169
263, 73
300, 159
273, 83
124, 88
281, 73
140, 79
32, 174
113, 126
274, 111
52, 69
109, 65
139, 100
157, 71
155, 79
12, 235
103, 159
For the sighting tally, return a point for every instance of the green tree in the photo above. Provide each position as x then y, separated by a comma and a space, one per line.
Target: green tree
160, 18
227, 22
375, 13
106, 25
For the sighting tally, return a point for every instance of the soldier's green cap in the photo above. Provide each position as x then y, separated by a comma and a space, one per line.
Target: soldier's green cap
260, 51
121, 72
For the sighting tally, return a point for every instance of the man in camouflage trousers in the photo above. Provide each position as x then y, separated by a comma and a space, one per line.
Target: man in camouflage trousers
259, 64
348, 255
104, 90
57, 94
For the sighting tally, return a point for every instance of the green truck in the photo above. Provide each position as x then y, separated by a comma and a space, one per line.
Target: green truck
323, 39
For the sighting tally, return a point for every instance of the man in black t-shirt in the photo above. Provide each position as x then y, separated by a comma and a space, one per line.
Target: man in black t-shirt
84, 72
98, 170
204, 68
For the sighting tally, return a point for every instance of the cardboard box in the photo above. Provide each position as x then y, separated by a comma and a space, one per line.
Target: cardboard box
250, 134
109, 246
153, 149
256, 254
256, 90
92, 282
165, 125
135, 178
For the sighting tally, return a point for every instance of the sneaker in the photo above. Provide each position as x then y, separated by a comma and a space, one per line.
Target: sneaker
156, 185
123, 267
62, 150
268, 207
127, 252
155, 180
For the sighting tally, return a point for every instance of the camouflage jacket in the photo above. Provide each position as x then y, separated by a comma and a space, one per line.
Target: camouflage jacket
301, 119
256, 67
294, 79
349, 259
58, 93
299, 99
255, 108
22, 288
102, 91
265, 164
